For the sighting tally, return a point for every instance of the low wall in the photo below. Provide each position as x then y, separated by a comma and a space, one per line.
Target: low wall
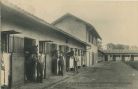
17, 69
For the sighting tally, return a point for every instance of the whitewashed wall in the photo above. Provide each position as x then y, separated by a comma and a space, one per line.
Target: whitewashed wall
74, 27
38, 34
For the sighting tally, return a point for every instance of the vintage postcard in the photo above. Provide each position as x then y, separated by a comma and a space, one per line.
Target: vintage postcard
68, 44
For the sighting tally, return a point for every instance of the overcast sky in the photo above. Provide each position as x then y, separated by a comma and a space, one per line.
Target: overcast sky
116, 21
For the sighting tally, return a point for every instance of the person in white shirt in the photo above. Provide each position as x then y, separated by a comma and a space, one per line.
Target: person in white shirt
40, 66
76, 60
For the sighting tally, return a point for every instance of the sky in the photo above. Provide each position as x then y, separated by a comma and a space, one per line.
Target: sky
115, 21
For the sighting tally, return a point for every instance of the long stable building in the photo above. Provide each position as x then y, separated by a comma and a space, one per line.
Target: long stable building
120, 55
20, 29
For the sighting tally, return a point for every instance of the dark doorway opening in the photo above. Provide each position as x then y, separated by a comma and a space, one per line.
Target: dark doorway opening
55, 53
106, 57
28, 44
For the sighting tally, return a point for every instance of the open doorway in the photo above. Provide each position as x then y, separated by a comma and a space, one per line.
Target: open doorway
106, 57
29, 65
55, 53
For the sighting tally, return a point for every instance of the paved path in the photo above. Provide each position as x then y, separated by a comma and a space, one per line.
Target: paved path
107, 75
53, 80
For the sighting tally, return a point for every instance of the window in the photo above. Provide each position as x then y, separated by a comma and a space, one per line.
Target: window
5, 42
67, 48
18, 44
48, 48
62, 48
12, 44
42, 47
89, 38
53, 47
95, 41
78, 52
92, 39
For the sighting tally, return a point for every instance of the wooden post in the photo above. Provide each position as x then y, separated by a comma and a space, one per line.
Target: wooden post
123, 57
114, 57
0, 46
132, 58
45, 67
11, 58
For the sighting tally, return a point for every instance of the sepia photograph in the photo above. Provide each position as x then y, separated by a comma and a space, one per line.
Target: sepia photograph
68, 44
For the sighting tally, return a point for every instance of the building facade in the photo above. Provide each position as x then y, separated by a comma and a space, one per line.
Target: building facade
83, 31
20, 31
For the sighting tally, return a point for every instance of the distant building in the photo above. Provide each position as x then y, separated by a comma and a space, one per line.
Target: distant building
82, 31
120, 55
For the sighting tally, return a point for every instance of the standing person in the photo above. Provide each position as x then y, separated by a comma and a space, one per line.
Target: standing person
34, 58
67, 60
54, 61
40, 66
61, 64
33, 66
76, 60
71, 60
27, 65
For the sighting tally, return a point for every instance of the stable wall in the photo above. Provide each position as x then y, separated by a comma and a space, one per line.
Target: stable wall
92, 55
38, 35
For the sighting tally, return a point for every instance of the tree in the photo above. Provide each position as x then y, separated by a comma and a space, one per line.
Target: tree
111, 46
99, 44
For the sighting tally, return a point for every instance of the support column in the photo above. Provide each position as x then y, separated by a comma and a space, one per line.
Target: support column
120, 57
114, 58
123, 58
0, 44
129, 57
132, 57
109, 57
106, 57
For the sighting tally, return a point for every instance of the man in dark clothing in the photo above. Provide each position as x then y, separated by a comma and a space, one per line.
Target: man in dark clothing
61, 65
54, 62
27, 66
33, 66
30, 62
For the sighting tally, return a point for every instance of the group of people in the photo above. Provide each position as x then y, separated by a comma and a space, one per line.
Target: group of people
34, 65
61, 62
71, 56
